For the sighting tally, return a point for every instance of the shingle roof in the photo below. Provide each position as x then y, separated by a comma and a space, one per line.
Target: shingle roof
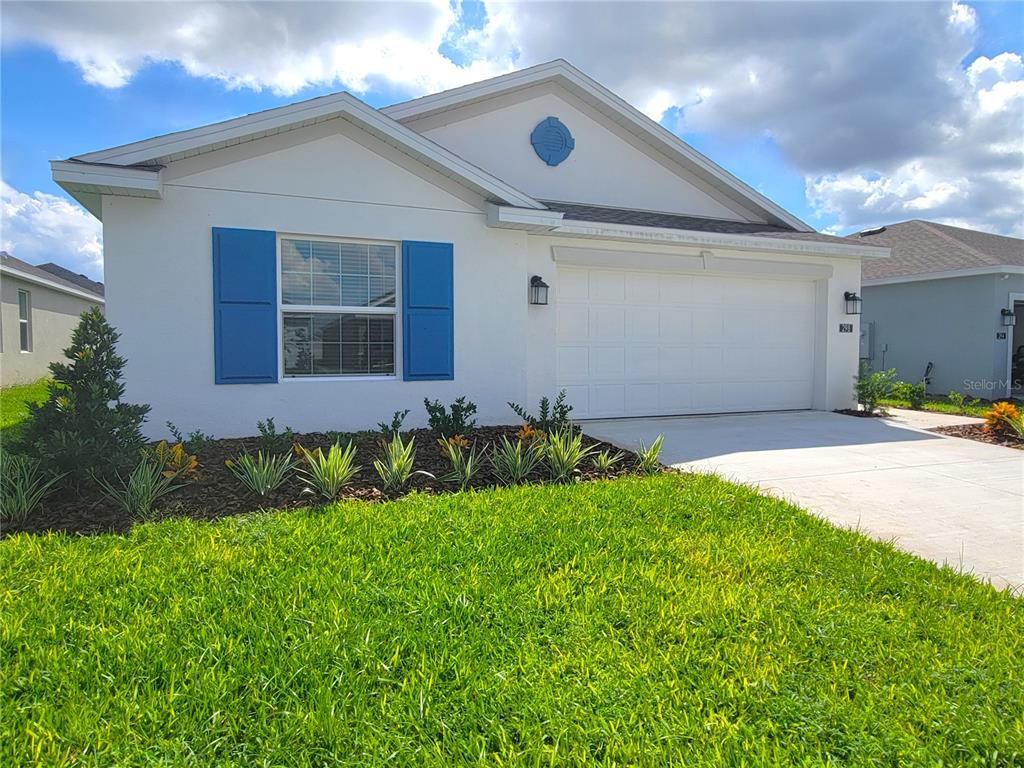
606, 215
923, 247
54, 273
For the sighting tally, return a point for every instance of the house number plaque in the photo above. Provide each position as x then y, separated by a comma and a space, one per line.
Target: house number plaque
846, 327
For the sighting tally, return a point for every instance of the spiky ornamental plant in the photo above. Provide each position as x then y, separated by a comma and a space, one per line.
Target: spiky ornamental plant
83, 429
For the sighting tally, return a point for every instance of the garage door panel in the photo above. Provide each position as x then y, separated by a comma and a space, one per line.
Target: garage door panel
643, 324
573, 323
642, 362
607, 363
607, 323
645, 343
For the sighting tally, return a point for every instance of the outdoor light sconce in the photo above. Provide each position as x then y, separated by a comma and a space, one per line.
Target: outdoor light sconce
1008, 317
538, 290
852, 303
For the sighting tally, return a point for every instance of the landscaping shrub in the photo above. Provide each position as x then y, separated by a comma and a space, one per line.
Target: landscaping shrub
196, 441
454, 421
1004, 419
328, 473
550, 417
564, 451
873, 386
464, 463
387, 430
272, 441
912, 393
514, 462
605, 460
175, 460
23, 484
263, 474
395, 467
647, 457
146, 484
83, 430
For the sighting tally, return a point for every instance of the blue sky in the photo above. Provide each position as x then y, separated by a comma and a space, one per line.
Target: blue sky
57, 101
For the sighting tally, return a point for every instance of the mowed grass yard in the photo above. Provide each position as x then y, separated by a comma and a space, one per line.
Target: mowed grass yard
14, 405
668, 620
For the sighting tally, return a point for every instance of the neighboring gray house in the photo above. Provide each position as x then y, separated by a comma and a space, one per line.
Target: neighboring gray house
948, 297
39, 308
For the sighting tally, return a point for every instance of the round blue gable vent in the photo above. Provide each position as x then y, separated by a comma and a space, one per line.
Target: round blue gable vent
552, 141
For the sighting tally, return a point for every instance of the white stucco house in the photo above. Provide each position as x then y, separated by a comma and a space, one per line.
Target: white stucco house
327, 263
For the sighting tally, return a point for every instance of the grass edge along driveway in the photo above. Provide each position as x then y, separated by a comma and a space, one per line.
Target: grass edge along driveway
680, 620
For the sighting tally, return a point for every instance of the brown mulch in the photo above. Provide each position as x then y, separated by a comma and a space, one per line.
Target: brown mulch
217, 493
860, 414
977, 432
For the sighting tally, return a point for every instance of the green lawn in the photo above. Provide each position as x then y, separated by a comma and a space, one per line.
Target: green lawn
660, 621
940, 404
14, 405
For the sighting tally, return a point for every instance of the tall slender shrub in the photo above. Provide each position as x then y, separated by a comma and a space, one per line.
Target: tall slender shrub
83, 430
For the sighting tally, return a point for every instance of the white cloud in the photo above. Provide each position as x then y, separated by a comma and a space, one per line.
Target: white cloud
872, 103
40, 227
281, 46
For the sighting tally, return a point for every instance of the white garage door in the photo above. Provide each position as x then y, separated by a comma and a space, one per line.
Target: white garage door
650, 343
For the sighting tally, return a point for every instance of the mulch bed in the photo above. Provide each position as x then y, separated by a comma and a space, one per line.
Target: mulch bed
976, 432
217, 493
860, 414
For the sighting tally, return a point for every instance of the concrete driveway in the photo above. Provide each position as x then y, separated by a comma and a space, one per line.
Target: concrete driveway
948, 499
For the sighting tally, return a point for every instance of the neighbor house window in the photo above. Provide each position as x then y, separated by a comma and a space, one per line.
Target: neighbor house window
25, 320
338, 308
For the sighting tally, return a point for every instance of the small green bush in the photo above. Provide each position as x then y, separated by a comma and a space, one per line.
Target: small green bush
397, 419
262, 474
551, 417
83, 430
564, 451
911, 393
465, 461
606, 460
328, 474
138, 494
514, 461
446, 422
873, 386
196, 442
23, 484
395, 466
271, 441
647, 458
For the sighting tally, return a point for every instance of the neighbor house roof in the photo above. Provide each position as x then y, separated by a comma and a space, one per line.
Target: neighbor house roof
616, 109
925, 249
52, 276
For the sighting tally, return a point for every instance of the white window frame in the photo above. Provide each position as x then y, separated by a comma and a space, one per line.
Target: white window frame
25, 322
394, 311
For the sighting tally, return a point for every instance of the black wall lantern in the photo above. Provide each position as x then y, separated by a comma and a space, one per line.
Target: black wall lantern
538, 290
1008, 317
852, 303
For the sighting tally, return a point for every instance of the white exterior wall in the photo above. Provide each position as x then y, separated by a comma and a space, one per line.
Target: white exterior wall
609, 166
160, 294
54, 316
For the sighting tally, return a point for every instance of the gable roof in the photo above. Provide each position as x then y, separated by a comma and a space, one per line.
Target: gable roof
927, 248
612, 106
53, 276
134, 169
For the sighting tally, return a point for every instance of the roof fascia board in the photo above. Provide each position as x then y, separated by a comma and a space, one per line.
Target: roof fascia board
1005, 269
610, 104
587, 229
36, 280
207, 138
505, 217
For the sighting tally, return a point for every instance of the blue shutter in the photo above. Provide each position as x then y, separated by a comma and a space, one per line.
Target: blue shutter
244, 306
428, 339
